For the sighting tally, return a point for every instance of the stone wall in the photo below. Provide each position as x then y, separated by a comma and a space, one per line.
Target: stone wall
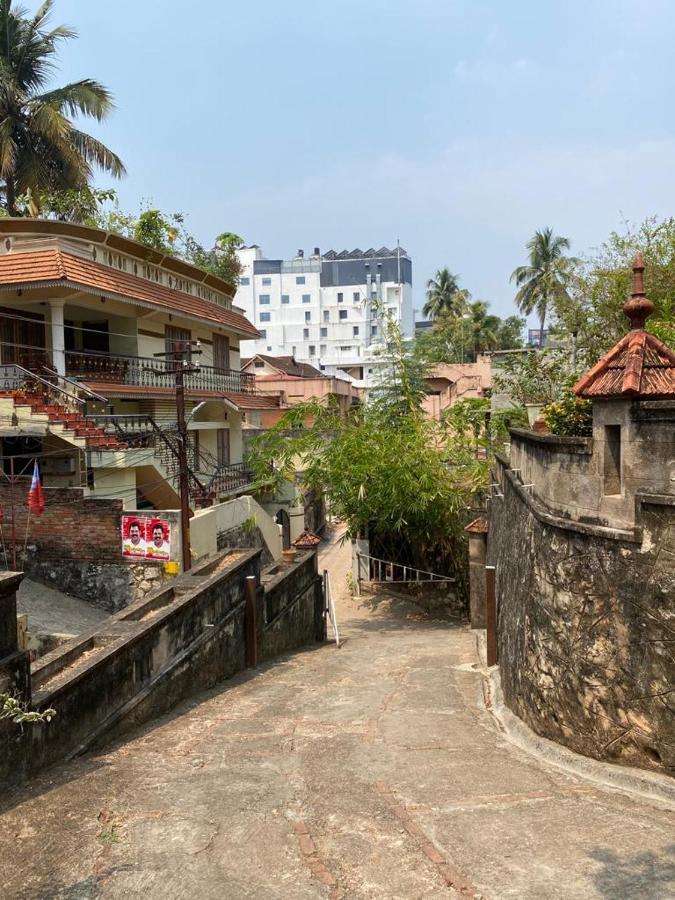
293, 605
585, 624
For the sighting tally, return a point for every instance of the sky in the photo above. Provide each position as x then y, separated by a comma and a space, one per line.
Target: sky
456, 126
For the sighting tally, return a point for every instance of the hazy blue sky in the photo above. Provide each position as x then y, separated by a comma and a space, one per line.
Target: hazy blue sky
459, 126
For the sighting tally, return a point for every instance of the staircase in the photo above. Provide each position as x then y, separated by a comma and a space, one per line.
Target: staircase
74, 424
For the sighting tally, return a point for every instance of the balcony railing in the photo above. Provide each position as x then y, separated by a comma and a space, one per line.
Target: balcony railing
153, 372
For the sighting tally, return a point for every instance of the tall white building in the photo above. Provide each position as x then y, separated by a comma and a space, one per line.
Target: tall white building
320, 309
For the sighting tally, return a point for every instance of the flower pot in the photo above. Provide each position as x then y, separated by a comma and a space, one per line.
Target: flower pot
289, 555
533, 411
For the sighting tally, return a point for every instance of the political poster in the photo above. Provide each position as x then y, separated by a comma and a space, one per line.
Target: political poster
146, 538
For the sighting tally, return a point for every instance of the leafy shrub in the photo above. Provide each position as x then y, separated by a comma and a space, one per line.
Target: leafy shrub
570, 416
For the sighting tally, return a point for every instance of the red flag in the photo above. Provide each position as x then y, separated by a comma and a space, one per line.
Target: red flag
36, 500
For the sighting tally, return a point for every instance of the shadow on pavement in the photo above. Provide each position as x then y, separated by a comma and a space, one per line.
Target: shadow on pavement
645, 875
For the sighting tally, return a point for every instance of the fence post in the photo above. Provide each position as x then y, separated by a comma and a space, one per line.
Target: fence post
491, 615
250, 622
325, 592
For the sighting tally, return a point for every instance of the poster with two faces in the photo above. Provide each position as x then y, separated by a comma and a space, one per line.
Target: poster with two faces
146, 538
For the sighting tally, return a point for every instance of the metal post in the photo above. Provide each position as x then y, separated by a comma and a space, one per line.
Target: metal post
183, 479
491, 615
250, 623
11, 500
326, 602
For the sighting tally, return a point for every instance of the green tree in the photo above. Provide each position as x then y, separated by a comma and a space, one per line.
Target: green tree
545, 279
444, 295
41, 149
461, 338
593, 308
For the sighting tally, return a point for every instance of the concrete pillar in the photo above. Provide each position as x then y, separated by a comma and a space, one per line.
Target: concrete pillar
58, 336
477, 532
14, 663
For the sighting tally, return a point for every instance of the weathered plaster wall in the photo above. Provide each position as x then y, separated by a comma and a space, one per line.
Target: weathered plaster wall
586, 626
293, 605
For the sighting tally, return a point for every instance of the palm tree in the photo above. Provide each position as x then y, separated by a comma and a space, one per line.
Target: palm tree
484, 327
445, 295
545, 279
41, 150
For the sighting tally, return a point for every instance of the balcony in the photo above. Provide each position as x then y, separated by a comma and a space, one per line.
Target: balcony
153, 372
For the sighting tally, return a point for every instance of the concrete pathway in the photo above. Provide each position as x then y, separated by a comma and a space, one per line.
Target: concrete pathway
53, 612
373, 771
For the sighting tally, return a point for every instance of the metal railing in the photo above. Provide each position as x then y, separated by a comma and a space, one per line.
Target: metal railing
14, 377
382, 571
152, 372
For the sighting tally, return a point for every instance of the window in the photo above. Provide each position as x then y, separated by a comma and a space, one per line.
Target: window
223, 446
306, 298
312, 350
266, 282
263, 333
308, 316
174, 338
264, 299
285, 298
341, 297
326, 315
259, 364
355, 330
373, 329
323, 332
357, 296
299, 279
244, 281
343, 313
265, 317
612, 462
322, 349
305, 332
346, 349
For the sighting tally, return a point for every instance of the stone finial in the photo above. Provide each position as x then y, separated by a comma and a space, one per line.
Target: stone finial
638, 307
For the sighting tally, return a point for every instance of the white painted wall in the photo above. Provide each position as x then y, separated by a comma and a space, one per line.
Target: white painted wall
207, 523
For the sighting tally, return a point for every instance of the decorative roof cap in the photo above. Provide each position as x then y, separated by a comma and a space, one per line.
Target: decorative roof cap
307, 541
639, 365
638, 308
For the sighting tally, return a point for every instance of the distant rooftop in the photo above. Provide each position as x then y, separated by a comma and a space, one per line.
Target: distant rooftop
382, 253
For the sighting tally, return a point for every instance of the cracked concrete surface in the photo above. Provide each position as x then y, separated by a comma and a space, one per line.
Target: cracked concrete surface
369, 771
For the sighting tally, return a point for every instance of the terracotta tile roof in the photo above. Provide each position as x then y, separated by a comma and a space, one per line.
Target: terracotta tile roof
55, 266
254, 401
288, 365
478, 526
640, 365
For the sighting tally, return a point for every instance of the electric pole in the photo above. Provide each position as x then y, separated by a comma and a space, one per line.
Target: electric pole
180, 355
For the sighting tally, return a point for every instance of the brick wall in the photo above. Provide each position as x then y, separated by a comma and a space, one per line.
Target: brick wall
71, 527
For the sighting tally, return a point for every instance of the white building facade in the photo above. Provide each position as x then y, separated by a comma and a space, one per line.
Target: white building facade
322, 308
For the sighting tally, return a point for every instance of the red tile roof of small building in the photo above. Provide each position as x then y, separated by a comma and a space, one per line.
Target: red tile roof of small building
639, 365
478, 526
54, 267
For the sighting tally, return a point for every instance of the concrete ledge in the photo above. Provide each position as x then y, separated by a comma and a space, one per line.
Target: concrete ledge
648, 785
554, 442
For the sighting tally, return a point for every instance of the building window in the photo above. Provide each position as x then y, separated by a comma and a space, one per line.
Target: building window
308, 316
306, 298
355, 330
221, 352
263, 333
612, 462
266, 282
322, 349
244, 281
343, 313
265, 317
357, 296
285, 298
299, 279
346, 349
323, 332
259, 364
373, 329
326, 315
312, 350
264, 299
305, 333
341, 297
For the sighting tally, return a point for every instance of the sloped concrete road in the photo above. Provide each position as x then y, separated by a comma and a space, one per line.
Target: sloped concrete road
373, 771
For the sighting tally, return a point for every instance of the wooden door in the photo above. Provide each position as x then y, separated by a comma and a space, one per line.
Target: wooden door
221, 352
223, 446
23, 339
175, 336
